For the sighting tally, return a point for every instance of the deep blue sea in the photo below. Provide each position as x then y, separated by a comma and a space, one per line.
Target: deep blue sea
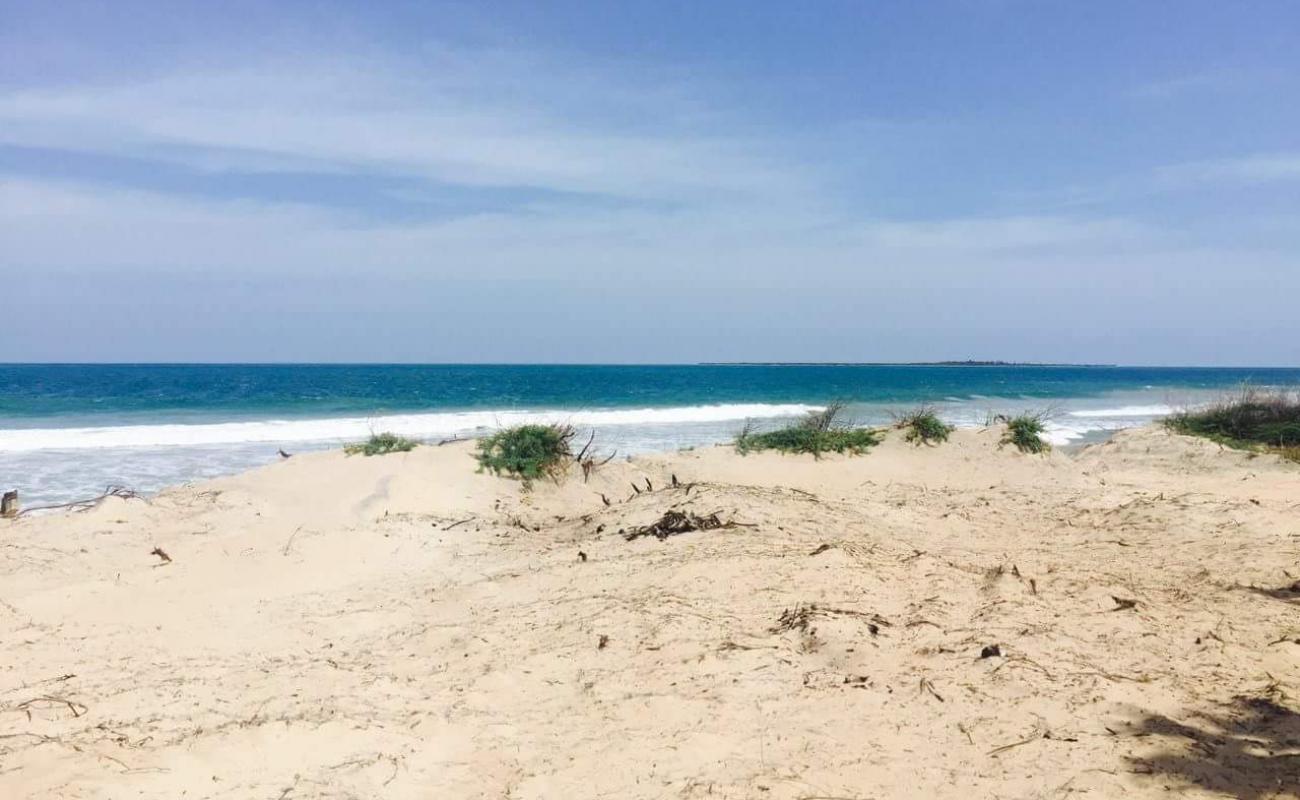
70, 430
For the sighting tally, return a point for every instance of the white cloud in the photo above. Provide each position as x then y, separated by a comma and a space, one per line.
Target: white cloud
486, 121
642, 283
721, 207
1252, 169
1217, 80
55, 225
978, 235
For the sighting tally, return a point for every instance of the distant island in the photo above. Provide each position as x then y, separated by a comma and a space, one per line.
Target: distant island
896, 364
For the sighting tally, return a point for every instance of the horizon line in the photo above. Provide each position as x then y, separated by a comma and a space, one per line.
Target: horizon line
969, 363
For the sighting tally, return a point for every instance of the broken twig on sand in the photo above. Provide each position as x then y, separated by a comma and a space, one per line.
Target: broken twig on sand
84, 505
673, 523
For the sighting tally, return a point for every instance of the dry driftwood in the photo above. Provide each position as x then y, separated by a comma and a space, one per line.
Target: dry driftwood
89, 503
586, 458
673, 523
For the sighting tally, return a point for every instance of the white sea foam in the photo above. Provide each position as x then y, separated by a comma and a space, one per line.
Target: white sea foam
1058, 434
1080, 424
1136, 412
1066, 426
324, 430
51, 465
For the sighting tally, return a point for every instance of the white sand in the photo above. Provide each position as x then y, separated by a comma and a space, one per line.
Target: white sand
402, 627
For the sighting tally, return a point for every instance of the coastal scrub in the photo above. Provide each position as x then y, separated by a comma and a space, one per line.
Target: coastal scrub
381, 444
923, 426
1253, 420
528, 452
1026, 432
819, 432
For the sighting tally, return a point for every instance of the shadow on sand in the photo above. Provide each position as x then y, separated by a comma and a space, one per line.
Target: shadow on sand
1251, 750
1287, 594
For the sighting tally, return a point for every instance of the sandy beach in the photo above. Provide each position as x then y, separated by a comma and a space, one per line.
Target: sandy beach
962, 620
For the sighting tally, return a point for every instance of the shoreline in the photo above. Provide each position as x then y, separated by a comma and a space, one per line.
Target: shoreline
1070, 449
1071, 445
67, 432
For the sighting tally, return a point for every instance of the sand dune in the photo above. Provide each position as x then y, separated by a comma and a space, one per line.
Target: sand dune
402, 627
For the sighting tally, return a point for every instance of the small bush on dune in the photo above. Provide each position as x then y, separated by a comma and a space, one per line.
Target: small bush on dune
797, 439
923, 426
380, 444
1251, 420
1026, 432
819, 432
528, 452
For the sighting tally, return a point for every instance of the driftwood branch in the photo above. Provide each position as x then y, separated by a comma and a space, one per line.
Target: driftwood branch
582, 454
586, 458
89, 503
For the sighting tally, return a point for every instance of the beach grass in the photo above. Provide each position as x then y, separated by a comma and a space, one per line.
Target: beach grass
819, 432
527, 452
1025, 431
380, 444
1254, 419
923, 426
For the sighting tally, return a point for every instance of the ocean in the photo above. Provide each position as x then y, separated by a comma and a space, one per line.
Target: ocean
68, 431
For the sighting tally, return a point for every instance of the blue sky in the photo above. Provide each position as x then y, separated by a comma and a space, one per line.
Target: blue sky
651, 181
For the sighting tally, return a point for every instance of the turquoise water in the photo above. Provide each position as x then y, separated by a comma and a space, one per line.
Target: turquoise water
69, 430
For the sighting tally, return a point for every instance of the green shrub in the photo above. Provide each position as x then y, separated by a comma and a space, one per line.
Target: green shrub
923, 426
528, 452
1026, 432
819, 432
1254, 419
380, 444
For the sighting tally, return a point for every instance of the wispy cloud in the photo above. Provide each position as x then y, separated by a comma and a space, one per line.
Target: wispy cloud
1251, 169
491, 121
1208, 81
48, 225
1245, 175
725, 180
1011, 233
672, 178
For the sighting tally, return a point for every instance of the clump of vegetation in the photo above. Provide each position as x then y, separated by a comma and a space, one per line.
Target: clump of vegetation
380, 444
1253, 420
1026, 432
923, 426
528, 452
819, 432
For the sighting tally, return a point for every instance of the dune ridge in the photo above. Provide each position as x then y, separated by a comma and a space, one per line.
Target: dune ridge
953, 621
